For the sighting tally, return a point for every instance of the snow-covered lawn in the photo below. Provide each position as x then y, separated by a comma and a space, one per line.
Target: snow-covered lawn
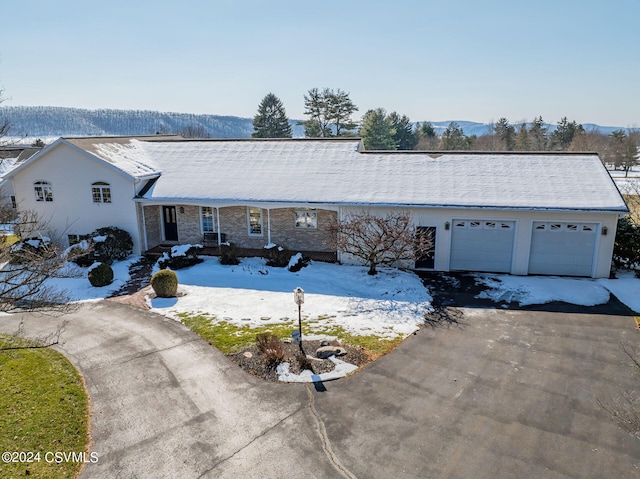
389, 304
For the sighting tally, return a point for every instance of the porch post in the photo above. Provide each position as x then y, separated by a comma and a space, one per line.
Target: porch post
268, 226
218, 224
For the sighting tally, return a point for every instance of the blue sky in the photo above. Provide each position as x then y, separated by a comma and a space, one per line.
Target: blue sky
463, 60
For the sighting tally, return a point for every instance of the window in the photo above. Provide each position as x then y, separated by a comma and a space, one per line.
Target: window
460, 224
206, 216
255, 221
14, 205
101, 192
587, 228
306, 219
555, 227
571, 227
474, 224
43, 191
490, 224
541, 226
75, 239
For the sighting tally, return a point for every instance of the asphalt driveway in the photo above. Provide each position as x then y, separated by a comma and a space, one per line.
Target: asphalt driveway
498, 394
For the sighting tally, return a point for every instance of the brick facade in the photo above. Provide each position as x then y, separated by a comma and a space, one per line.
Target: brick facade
234, 224
152, 225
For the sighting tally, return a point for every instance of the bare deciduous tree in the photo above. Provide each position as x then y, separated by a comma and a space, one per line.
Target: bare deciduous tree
380, 240
28, 269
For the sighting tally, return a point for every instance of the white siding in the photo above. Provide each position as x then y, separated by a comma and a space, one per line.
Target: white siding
72, 211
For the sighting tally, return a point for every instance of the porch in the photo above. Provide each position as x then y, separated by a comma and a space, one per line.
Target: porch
325, 256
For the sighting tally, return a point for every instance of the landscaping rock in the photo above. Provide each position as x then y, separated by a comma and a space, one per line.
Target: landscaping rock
325, 352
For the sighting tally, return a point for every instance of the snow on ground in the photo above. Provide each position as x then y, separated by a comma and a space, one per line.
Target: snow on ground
390, 303
528, 290
626, 288
77, 284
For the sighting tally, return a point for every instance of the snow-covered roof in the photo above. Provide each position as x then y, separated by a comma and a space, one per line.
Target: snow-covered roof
121, 152
338, 172
11, 156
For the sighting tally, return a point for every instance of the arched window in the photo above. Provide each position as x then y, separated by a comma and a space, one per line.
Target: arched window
43, 191
101, 192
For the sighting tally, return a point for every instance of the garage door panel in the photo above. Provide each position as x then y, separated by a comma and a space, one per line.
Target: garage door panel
562, 248
482, 245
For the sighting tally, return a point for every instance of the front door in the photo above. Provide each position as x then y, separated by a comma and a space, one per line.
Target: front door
170, 223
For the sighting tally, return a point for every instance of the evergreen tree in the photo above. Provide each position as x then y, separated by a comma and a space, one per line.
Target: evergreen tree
622, 151
523, 142
563, 135
454, 138
405, 136
377, 131
538, 134
340, 110
329, 113
506, 133
271, 120
426, 136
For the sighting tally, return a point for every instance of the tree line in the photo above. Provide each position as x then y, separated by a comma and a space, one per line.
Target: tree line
329, 114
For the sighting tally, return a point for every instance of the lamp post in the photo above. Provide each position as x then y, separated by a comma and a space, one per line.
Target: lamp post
298, 297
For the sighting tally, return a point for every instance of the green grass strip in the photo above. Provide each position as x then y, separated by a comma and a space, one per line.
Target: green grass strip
43, 409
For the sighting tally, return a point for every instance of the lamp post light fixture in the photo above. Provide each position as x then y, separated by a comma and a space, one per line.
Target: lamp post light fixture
298, 297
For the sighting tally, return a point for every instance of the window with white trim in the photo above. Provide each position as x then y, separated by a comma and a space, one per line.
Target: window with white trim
254, 220
43, 191
306, 219
101, 192
474, 224
75, 239
206, 218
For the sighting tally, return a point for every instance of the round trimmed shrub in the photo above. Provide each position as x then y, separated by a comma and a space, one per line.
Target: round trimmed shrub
165, 283
101, 275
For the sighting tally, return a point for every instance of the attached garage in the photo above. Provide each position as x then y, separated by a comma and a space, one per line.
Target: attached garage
482, 245
563, 248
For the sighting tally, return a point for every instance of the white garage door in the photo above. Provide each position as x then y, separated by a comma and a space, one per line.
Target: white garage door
562, 248
482, 245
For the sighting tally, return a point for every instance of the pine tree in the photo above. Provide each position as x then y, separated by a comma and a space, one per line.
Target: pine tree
454, 138
405, 137
506, 133
427, 136
562, 137
329, 113
538, 134
523, 142
377, 130
271, 120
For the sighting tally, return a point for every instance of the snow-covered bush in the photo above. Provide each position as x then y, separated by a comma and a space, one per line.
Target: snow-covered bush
111, 244
30, 249
276, 255
165, 283
181, 256
100, 275
229, 254
297, 262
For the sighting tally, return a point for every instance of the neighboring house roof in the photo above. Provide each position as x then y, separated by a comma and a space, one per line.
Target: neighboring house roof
10, 156
338, 172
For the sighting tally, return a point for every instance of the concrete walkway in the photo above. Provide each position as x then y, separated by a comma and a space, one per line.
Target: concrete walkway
502, 394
